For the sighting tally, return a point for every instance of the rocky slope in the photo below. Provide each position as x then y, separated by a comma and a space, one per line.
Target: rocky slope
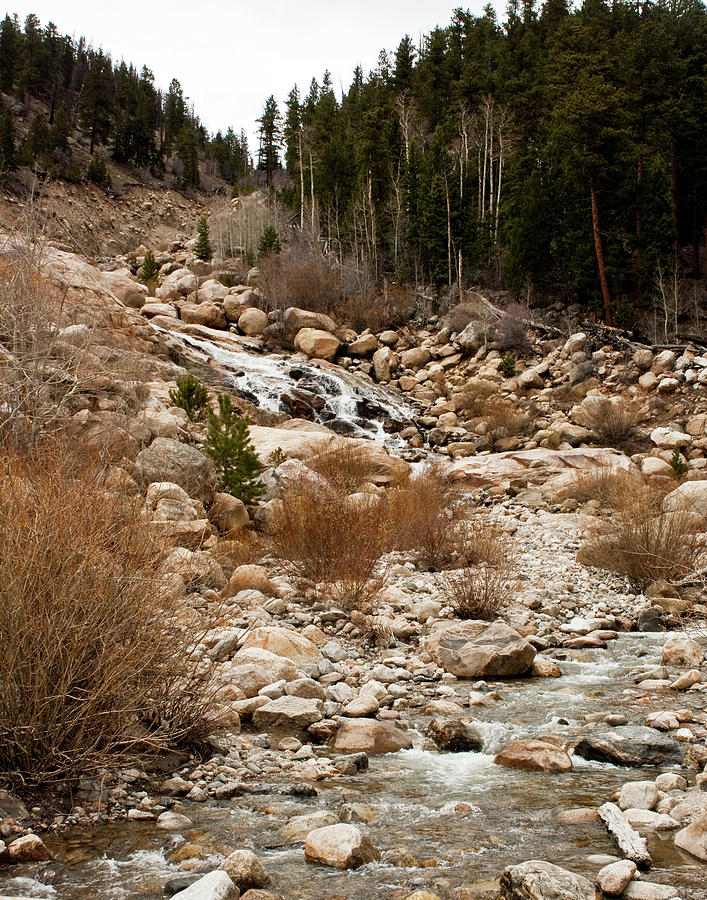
306, 698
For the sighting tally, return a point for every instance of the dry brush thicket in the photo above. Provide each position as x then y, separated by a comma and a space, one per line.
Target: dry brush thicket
95, 664
643, 541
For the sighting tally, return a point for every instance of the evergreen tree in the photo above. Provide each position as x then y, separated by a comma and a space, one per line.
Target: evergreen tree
149, 270
8, 161
234, 457
188, 153
202, 250
269, 134
96, 100
97, 171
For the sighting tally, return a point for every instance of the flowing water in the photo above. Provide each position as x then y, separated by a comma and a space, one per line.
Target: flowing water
347, 403
444, 822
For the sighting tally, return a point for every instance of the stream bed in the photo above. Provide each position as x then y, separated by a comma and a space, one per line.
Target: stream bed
444, 822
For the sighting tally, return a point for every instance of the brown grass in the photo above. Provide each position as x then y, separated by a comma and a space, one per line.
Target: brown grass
346, 464
608, 485
424, 515
475, 397
325, 537
476, 592
614, 424
502, 419
644, 543
94, 660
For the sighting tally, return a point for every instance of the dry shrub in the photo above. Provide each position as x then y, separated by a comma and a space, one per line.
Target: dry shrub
644, 543
502, 419
324, 536
476, 592
460, 316
300, 276
423, 515
40, 370
474, 397
95, 665
608, 485
614, 423
346, 464
241, 548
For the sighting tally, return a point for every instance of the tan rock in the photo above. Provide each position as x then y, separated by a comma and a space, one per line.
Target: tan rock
340, 846
534, 756
228, 513
475, 649
369, 736
29, 848
283, 642
317, 344
253, 321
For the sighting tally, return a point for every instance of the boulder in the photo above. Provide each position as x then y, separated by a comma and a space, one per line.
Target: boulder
340, 846
151, 309
253, 321
534, 756
454, 735
214, 886
298, 827
630, 745
211, 291
669, 438
278, 668
122, 286
177, 284
228, 513
691, 496
211, 315
172, 821
284, 642
168, 460
693, 838
295, 319
384, 362
363, 346
369, 736
248, 578
199, 570
245, 870
29, 848
476, 649
415, 358
317, 344
682, 651
638, 795
614, 878
538, 880
288, 714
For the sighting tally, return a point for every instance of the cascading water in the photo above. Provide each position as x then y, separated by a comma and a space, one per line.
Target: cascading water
347, 403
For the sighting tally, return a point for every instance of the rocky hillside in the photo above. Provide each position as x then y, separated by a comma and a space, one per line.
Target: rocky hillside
578, 665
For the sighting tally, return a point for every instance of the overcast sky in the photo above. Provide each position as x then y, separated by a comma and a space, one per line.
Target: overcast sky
230, 56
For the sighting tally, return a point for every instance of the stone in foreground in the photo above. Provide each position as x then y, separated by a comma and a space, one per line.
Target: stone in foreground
369, 736
214, 886
454, 735
288, 713
245, 870
614, 878
630, 745
538, 880
340, 846
29, 848
475, 649
534, 756
694, 838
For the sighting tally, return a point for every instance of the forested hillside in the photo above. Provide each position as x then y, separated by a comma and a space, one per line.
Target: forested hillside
561, 154
55, 89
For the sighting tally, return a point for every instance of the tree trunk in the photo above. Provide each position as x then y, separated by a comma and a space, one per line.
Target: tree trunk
608, 317
674, 204
301, 182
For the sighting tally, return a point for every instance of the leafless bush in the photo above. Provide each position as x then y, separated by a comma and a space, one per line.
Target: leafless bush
346, 464
510, 330
644, 543
95, 668
502, 419
460, 316
326, 537
474, 397
41, 369
608, 485
614, 423
476, 592
424, 515
300, 276
236, 226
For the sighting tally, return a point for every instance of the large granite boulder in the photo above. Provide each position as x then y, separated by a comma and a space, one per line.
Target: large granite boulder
340, 846
369, 736
534, 756
168, 460
539, 880
475, 649
630, 745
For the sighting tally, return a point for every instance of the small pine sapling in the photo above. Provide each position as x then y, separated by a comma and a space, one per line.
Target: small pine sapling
507, 368
229, 446
149, 269
678, 464
202, 250
191, 396
97, 172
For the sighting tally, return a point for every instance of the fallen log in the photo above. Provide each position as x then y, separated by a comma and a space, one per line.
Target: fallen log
631, 844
